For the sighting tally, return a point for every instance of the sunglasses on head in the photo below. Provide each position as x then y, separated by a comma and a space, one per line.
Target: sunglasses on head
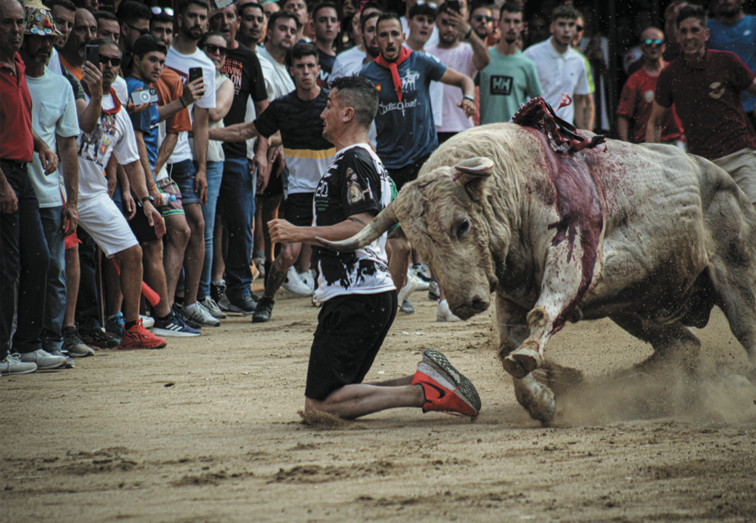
157, 10
653, 42
423, 2
480, 18
212, 48
114, 61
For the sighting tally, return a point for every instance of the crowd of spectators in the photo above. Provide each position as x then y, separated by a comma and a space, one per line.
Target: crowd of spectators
144, 148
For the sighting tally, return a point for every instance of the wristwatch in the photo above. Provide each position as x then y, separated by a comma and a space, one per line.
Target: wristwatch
148, 198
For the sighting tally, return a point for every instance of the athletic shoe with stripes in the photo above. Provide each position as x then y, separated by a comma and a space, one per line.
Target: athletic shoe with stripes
174, 326
445, 388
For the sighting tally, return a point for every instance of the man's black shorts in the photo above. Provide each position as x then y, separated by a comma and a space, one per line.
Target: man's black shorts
298, 208
350, 331
407, 173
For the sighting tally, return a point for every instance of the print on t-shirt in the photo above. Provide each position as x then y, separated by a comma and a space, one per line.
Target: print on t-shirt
95, 146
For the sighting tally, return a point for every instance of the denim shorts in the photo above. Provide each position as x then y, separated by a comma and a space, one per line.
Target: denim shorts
183, 173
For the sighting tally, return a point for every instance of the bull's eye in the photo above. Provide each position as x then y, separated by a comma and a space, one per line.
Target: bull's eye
462, 228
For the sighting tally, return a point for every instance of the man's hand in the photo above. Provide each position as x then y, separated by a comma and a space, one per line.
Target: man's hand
459, 23
193, 91
260, 162
468, 106
8, 199
154, 218
92, 80
157, 195
70, 218
200, 185
129, 204
48, 159
131, 108
282, 231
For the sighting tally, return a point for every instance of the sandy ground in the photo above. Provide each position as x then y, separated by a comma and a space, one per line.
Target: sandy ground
208, 430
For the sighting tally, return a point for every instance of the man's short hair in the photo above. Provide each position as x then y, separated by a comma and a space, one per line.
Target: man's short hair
162, 17
390, 15
131, 11
99, 42
371, 5
511, 7
282, 4
564, 11
299, 51
105, 15
358, 93
282, 14
184, 5
692, 11
365, 19
241, 7
203, 39
148, 44
68, 5
324, 5
422, 9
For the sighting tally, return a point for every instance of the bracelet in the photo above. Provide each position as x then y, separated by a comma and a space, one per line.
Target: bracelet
468, 97
151, 187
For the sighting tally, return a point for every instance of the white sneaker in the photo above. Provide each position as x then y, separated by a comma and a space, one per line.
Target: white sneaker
410, 286
307, 278
147, 321
212, 307
43, 359
444, 313
294, 284
418, 272
197, 313
12, 364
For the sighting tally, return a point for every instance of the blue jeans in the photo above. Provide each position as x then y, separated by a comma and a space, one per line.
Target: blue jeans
23, 256
55, 299
214, 177
184, 174
237, 206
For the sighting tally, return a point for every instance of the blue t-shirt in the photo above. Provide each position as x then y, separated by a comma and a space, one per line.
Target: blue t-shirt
406, 130
145, 121
741, 40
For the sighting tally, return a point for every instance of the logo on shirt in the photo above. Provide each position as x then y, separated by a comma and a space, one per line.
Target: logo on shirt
501, 85
716, 90
355, 192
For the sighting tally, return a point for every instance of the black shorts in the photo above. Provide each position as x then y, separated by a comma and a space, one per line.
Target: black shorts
407, 173
350, 331
298, 208
275, 183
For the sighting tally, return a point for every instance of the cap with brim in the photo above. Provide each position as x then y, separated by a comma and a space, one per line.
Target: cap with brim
39, 20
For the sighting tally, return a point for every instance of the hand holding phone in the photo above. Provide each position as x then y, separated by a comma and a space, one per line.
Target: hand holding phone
92, 54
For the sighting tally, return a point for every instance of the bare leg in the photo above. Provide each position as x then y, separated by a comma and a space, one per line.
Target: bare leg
353, 401
220, 243
113, 296
194, 256
130, 261
303, 262
286, 258
154, 275
399, 261
173, 255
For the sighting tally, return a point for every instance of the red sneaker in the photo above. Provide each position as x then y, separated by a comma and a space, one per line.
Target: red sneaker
445, 389
137, 337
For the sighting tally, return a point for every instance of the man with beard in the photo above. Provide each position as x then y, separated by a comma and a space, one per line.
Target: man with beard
134, 18
705, 88
24, 257
307, 154
325, 27
561, 70
108, 26
733, 30
467, 57
113, 140
183, 56
511, 78
351, 61
54, 120
236, 200
251, 23
482, 22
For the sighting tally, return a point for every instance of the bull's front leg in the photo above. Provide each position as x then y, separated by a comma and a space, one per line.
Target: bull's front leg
564, 283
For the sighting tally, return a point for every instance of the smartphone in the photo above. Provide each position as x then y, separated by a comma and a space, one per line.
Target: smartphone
194, 73
145, 96
454, 5
92, 54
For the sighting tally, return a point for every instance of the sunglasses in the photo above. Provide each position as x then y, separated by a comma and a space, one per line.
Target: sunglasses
653, 42
157, 10
480, 18
114, 61
423, 2
141, 32
212, 49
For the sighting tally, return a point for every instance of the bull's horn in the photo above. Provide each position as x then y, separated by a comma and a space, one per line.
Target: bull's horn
380, 224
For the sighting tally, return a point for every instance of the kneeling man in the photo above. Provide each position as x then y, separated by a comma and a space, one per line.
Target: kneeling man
358, 295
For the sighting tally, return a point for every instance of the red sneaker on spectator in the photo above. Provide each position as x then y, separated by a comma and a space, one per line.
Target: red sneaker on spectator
137, 337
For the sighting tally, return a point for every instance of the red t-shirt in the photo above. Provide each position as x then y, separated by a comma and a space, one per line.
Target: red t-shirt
707, 98
636, 102
16, 141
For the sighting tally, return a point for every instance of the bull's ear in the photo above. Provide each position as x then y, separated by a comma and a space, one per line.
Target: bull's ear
471, 174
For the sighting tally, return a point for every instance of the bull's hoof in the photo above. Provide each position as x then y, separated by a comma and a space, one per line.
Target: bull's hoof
521, 362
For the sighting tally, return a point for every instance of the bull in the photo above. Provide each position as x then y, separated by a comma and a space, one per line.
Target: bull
646, 235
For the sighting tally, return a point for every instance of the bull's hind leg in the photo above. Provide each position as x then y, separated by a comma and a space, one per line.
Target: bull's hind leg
736, 295
672, 343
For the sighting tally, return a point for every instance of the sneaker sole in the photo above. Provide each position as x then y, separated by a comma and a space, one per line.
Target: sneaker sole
239, 310
174, 334
467, 390
18, 372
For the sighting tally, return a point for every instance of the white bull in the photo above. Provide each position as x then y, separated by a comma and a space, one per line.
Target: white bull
646, 235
